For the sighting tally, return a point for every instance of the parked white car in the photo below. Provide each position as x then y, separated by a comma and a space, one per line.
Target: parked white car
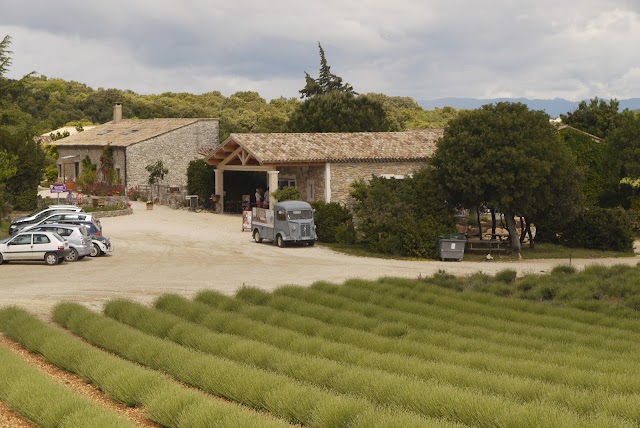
101, 246
47, 246
80, 243
34, 217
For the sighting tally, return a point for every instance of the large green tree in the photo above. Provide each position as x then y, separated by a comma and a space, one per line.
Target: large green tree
508, 158
17, 142
341, 112
326, 83
333, 106
623, 160
598, 117
590, 156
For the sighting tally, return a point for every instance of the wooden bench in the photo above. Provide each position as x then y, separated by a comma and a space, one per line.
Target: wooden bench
486, 244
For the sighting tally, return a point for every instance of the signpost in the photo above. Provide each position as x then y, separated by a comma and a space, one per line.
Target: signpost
58, 188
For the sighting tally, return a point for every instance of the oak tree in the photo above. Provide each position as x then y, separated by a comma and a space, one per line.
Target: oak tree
508, 158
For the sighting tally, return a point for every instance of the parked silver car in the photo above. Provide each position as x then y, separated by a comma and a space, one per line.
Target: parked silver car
101, 244
80, 243
34, 217
61, 216
47, 246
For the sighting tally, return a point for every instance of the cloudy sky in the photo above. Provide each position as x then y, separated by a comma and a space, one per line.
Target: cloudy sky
424, 49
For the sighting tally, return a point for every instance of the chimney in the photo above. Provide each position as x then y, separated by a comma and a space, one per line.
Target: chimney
117, 112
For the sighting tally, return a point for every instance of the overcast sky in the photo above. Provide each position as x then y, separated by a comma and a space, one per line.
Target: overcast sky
424, 49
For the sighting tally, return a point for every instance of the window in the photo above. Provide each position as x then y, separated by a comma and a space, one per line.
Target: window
280, 215
40, 239
286, 182
311, 190
63, 232
22, 240
299, 214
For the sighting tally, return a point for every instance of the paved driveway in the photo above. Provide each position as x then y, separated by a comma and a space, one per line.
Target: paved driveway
174, 251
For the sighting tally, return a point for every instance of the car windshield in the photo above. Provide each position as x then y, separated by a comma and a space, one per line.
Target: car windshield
299, 214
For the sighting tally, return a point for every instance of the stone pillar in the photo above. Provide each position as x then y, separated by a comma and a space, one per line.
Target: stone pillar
273, 186
327, 182
220, 186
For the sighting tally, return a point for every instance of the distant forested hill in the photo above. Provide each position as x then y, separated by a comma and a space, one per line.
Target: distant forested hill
553, 108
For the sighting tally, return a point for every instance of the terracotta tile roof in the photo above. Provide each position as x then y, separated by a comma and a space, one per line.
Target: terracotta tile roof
125, 133
333, 147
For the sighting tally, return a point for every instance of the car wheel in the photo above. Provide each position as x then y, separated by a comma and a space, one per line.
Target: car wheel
256, 236
1, 259
73, 255
279, 241
95, 251
51, 259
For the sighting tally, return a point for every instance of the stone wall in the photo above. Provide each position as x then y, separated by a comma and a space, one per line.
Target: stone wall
94, 153
175, 149
306, 176
343, 174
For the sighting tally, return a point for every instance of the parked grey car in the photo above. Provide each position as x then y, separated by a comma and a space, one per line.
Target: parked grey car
80, 243
34, 217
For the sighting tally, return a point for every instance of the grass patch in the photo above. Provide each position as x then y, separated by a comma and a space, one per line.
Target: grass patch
541, 251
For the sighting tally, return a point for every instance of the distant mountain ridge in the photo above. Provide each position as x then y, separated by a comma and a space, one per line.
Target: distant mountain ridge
553, 108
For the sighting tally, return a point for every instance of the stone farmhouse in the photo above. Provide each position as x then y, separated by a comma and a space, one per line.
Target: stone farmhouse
136, 144
323, 165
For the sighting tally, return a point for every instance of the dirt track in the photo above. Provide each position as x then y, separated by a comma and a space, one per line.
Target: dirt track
163, 250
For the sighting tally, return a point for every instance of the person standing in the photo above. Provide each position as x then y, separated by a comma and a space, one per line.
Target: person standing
258, 198
265, 198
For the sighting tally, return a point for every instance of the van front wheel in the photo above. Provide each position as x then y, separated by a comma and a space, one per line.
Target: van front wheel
256, 236
279, 241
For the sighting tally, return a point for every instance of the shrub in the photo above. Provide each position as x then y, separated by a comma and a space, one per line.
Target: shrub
334, 222
599, 229
506, 276
201, 179
289, 193
563, 270
402, 217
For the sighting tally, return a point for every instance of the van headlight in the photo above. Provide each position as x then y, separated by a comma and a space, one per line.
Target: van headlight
294, 228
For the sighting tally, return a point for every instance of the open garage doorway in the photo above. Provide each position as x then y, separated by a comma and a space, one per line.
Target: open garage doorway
240, 183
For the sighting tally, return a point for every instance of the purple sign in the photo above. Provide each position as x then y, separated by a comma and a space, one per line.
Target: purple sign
58, 188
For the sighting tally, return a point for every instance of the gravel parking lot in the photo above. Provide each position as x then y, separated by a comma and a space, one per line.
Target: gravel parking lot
176, 251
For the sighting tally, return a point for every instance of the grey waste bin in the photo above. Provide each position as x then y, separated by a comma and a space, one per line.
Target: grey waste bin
193, 201
451, 247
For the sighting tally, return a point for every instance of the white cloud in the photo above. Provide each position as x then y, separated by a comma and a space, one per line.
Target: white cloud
419, 48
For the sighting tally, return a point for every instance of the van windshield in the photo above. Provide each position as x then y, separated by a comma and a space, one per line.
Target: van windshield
299, 214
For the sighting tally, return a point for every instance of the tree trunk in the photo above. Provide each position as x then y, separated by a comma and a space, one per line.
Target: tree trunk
514, 239
532, 241
493, 223
479, 223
